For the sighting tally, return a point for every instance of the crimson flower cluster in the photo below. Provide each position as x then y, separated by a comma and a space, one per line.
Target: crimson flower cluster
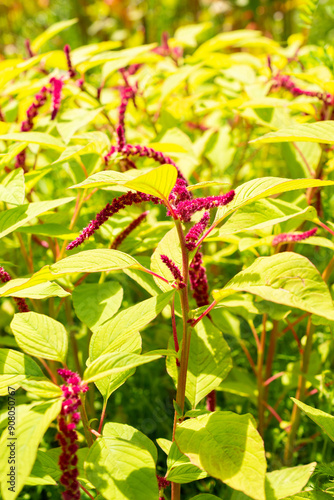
162, 483
290, 237
198, 280
174, 270
286, 82
110, 209
196, 231
57, 86
71, 70
27, 125
67, 436
185, 209
131, 227
21, 303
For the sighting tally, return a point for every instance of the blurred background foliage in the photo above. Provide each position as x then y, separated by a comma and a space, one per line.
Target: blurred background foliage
135, 22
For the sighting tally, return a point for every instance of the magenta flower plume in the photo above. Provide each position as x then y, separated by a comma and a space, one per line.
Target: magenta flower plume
32, 112
2, 117
28, 124
185, 209
290, 237
162, 484
196, 231
127, 93
198, 280
211, 401
124, 234
174, 270
57, 85
67, 436
71, 70
109, 210
21, 303
179, 192
286, 82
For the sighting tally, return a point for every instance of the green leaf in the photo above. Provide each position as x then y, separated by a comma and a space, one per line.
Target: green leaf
16, 367
286, 482
68, 129
228, 447
41, 387
110, 364
95, 303
16, 217
321, 418
12, 188
170, 246
39, 138
128, 433
173, 81
285, 278
119, 343
223, 40
263, 188
261, 214
41, 291
31, 424
311, 495
93, 261
180, 470
321, 132
188, 35
158, 182
40, 336
209, 361
50, 33
121, 468
107, 178
54, 230
128, 321
39, 476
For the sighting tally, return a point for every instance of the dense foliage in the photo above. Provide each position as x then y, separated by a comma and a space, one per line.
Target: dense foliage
166, 265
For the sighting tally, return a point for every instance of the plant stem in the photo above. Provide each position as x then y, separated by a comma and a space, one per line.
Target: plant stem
182, 378
270, 357
260, 360
84, 419
300, 394
103, 414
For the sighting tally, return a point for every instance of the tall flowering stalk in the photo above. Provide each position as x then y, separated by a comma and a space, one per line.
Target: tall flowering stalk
71, 70
67, 436
39, 101
56, 89
21, 303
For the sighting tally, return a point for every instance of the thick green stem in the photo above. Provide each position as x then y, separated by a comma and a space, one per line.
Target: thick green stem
182, 378
260, 360
300, 394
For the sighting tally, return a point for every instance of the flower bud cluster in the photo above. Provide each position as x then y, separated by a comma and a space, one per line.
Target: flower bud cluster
290, 237
198, 281
196, 231
174, 270
124, 234
286, 82
67, 436
185, 209
57, 86
110, 209
71, 70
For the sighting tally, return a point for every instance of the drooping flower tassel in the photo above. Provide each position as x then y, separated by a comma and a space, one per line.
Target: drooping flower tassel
67, 436
290, 237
